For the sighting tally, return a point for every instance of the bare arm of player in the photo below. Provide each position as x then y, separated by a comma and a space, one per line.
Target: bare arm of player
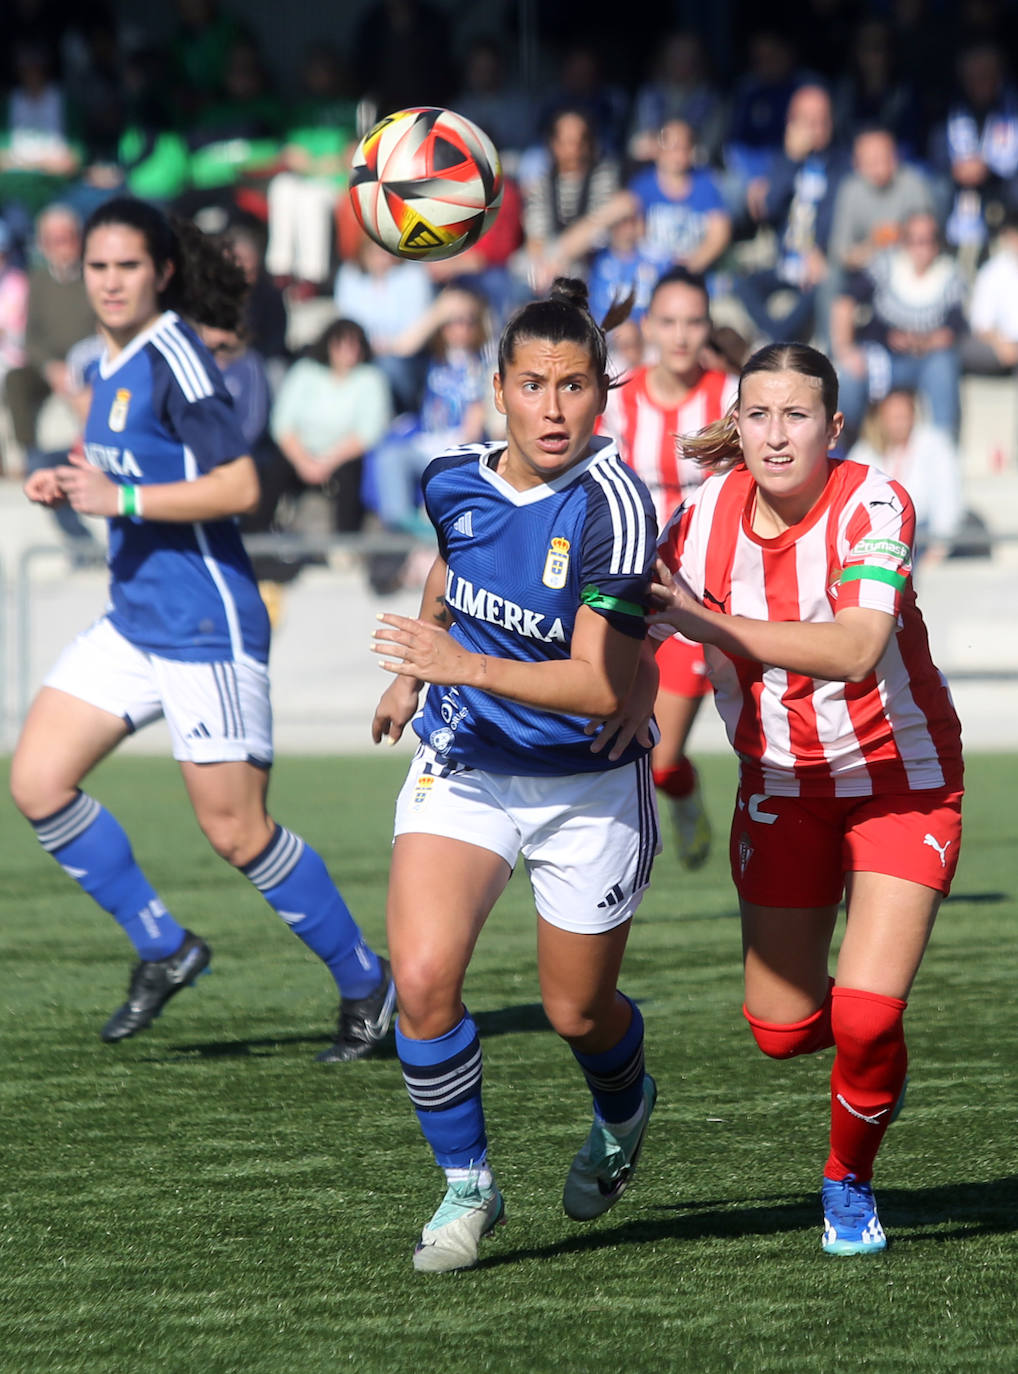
399, 700
846, 649
228, 490
594, 681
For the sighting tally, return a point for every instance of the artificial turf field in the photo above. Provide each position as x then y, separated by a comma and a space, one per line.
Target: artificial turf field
206, 1198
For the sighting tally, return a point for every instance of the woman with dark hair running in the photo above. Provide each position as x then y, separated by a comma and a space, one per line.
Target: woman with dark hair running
186, 635
532, 622
793, 570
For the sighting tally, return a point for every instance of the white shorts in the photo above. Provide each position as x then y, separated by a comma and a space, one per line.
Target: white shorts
588, 839
216, 712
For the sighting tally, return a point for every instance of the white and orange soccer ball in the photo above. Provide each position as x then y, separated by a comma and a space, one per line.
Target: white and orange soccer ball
426, 183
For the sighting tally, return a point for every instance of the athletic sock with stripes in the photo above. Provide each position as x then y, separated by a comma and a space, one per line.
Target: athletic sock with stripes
294, 881
615, 1076
90, 845
443, 1078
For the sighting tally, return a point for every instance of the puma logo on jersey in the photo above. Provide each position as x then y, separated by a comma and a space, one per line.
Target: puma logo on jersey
120, 462
892, 503
709, 596
941, 849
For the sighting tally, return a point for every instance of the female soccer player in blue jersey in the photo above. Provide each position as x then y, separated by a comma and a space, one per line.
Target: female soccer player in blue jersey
186, 635
531, 624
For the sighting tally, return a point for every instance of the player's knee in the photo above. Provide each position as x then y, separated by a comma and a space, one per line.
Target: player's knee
430, 1000
34, 791
788, 1040
572, 1021
868, 1027
232, 837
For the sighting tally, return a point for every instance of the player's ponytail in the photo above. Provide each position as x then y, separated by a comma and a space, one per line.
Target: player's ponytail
718, 445
206, 286
563, 318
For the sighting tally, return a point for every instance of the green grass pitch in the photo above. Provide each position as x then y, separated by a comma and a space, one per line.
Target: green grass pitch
206, 1198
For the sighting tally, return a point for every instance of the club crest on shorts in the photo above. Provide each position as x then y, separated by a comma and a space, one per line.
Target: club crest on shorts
745, 853
556, 565
117, 418
424, 785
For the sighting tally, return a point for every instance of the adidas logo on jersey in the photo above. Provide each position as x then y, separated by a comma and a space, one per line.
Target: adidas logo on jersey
465, 525
611, 898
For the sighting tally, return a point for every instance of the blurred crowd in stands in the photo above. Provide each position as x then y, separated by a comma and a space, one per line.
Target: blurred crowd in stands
851, 180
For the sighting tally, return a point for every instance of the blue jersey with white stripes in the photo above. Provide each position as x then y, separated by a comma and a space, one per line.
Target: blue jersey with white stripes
520, 565
161, 413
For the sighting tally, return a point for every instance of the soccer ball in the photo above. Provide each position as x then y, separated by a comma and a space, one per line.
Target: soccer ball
426, 183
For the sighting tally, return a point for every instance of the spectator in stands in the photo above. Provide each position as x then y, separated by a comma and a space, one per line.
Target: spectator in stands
332, 407
873, 202
978, 146
199, 53
756, 123
576, 184
401, 54
685, 220
583, 86
452, 408
625, 267
387, 296
234, 138
924, 460
265, 317
58, 316
680, 87
505, 112
13, 307
302, 198
37, 155
915, 295
872, 93
992, 346
797, 199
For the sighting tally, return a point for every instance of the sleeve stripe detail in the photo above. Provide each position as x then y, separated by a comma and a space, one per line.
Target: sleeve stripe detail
185, 364
870, 574
628, 525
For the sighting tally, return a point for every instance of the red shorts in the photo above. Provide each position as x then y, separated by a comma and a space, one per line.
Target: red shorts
795, 851
683, 668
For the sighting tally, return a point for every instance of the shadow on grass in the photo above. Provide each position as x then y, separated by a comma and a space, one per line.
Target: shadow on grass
949, 1212
980, 898
527, 1017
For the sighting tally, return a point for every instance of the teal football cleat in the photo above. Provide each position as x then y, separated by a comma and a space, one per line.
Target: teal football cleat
602, 1170
851, 1224
452, 1237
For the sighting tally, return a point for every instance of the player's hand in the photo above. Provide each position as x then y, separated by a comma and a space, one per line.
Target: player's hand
88, 490
633, 719
394, 711
676, 604
417, 648
43, 488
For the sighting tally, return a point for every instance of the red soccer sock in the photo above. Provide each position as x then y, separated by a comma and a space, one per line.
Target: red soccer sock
786, 1041
866, 1080
677, 781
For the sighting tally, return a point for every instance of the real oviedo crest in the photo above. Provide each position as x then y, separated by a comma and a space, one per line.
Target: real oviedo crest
118, 411
556, 565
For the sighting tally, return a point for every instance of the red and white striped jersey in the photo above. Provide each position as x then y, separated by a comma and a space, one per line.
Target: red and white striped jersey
896, 731
645, 433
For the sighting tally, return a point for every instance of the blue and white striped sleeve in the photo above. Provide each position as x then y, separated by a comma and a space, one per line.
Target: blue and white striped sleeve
619, 542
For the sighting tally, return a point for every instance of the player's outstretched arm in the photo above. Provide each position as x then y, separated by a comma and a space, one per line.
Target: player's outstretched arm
399, 700
228, 490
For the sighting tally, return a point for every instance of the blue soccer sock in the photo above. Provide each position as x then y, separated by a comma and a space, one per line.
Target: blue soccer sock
295, 882
443, 1078
615, 1076
91, 846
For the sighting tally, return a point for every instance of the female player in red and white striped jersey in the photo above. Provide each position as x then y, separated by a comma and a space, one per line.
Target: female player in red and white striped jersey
672, 396
792, 568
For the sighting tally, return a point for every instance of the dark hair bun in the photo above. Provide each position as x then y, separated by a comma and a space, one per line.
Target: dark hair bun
571, 291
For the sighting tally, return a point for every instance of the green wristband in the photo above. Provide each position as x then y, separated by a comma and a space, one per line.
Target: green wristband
127, 501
